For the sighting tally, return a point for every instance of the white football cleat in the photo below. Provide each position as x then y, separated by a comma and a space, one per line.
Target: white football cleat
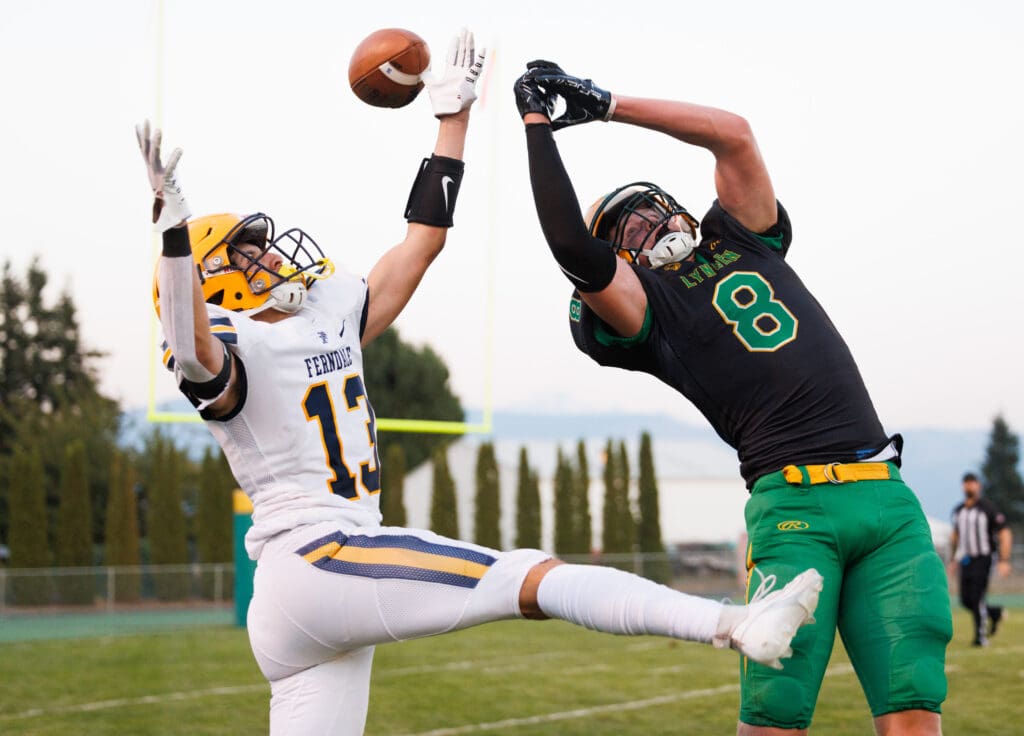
763, 629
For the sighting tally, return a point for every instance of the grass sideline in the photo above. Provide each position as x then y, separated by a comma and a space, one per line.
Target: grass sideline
509, 678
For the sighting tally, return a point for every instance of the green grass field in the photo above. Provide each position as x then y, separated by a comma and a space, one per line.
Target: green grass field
509, 678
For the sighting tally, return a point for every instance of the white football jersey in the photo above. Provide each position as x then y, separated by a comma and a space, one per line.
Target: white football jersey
302, 443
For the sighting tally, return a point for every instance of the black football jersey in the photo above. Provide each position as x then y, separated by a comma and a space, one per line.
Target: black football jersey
738, 334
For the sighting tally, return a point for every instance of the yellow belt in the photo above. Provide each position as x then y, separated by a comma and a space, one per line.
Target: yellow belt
836, 473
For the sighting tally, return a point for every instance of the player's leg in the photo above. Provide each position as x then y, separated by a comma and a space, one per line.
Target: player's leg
788, 531
972, 595
988, 615
329, 698
894, 613
609, 600
995, 616
322, 597
322, 590
330, 591
467, 585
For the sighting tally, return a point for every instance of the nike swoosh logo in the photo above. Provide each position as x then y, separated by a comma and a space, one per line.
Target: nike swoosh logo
446, 181
342, 333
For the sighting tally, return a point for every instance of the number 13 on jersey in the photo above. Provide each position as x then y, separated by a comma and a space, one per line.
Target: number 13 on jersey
318, 404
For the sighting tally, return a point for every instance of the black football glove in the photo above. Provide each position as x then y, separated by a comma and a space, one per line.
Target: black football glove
530, 97
584, 100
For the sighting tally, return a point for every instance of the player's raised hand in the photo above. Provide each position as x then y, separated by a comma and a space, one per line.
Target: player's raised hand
584, 100
169, 205
454, 89
530, 98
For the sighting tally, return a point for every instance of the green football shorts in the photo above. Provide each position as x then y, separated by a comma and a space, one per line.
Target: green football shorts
885, 590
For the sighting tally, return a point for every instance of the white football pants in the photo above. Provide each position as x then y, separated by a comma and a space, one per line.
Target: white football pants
324, 595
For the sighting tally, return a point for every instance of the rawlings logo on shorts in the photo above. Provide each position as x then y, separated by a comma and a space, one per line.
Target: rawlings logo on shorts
792, 526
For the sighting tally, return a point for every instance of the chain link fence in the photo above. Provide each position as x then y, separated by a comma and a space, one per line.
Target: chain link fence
27, 590
715, 571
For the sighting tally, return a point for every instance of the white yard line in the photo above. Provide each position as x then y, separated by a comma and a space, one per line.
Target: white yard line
582, 712
841, 669
141, 700
567, 715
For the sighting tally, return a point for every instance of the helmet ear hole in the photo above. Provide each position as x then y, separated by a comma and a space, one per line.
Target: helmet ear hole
216, 298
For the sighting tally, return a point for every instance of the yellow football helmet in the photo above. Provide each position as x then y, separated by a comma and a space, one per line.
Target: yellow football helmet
236, 279
606, 219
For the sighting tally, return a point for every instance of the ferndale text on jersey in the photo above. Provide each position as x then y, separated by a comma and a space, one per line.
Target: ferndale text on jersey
335, 360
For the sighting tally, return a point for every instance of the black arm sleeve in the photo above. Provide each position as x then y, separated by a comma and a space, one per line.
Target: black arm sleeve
588, 262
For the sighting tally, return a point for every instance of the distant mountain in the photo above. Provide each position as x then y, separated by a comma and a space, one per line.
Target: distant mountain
933, 459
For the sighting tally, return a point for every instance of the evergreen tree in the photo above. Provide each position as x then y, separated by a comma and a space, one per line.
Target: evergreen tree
584, 532
49, 392
122, 530
214, 518
41, 355
1003, 484
409, 383
444, 510
528, 526
608, 475
28, 537
215, 509
90, 422
168, 544
649, 523
628, 519
566, 533
487, 512
74, 528
619, 532
392, 486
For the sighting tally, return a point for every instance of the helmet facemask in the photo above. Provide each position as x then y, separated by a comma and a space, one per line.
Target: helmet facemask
642, 219
302, 262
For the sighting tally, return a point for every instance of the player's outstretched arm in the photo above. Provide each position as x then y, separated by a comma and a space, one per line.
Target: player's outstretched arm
606, 283
431, 203
201, 358
741, 178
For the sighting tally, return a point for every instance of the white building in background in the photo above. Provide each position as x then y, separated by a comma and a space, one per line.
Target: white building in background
700, 492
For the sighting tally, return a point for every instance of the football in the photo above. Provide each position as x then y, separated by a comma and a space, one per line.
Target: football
386, 66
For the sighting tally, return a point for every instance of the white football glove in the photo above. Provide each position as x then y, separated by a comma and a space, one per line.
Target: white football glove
169, 205
455, 89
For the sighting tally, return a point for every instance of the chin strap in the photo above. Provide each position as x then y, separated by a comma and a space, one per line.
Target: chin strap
676, 246
291, 295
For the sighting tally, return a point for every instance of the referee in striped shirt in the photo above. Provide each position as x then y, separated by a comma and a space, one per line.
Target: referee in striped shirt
977, 528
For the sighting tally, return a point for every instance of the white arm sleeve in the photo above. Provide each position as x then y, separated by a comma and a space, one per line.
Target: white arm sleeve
178, 318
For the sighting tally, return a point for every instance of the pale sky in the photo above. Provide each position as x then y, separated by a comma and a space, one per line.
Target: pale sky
892, 131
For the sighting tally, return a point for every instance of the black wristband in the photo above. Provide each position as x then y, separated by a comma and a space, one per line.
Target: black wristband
176, 242
433, 194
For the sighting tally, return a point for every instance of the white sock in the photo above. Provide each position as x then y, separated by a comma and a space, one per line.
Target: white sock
616, 602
